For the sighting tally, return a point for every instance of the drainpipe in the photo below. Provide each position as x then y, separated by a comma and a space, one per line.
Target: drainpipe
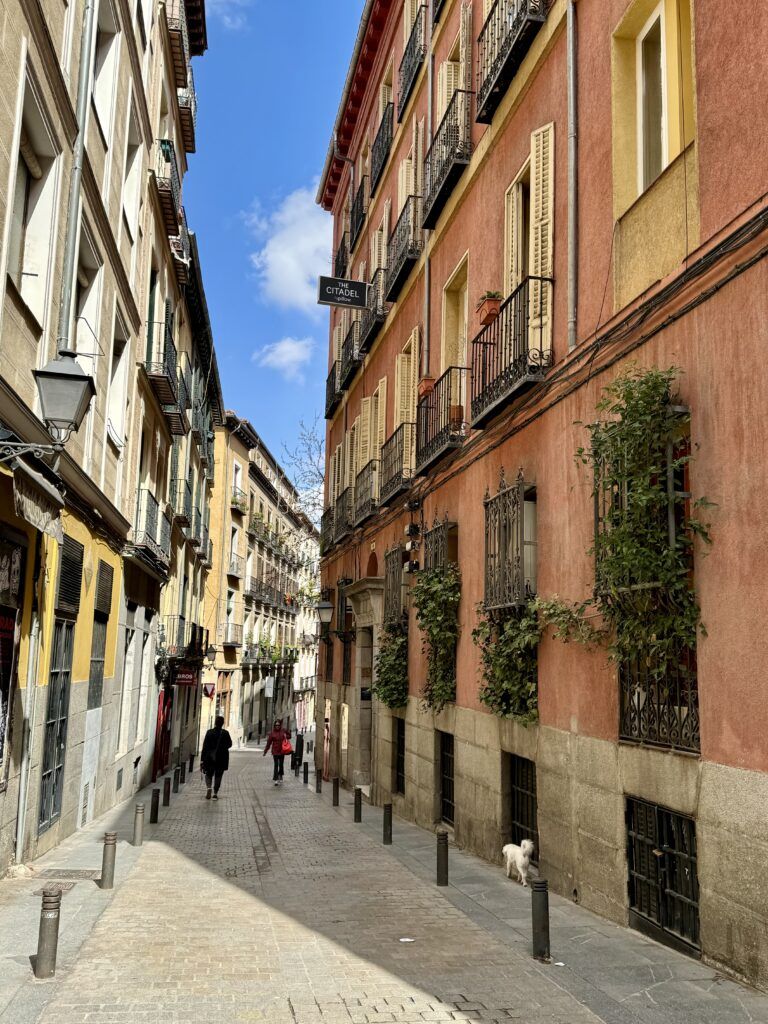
75, 183
573, 177
30, 709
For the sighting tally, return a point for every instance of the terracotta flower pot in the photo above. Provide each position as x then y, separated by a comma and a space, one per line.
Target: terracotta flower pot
488, 310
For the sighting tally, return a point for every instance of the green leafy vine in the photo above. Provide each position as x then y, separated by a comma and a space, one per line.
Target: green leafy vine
508, 651
436, 597
391, 683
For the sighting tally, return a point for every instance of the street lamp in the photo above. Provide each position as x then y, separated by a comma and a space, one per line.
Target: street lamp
65, 393
325, 611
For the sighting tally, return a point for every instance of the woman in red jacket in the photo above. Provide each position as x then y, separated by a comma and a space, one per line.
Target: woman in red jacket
279, 740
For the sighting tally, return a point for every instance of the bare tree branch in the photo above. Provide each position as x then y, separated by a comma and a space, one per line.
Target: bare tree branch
305, 464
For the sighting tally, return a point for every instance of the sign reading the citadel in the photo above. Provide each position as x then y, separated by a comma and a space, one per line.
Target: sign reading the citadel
336, 291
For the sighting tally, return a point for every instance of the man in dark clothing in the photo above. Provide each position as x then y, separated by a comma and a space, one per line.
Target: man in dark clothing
214, 758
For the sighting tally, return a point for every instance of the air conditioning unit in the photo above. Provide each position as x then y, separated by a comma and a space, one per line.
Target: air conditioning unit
411, 566
411, 545
412, 530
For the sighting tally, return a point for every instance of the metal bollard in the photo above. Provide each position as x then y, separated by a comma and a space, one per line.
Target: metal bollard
336, 792
107, 879
182, 772
358, 805
176, 779
154, 809
138, 825
167, 791
318, 781
306, 773
442, 857
540, 918
296, 769
191, 763
48, 936
387, 837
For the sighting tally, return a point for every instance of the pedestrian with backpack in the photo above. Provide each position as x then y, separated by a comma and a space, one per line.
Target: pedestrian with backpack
214, 757
279, 742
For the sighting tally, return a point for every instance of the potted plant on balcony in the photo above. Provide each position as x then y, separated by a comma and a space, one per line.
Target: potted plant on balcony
488, 307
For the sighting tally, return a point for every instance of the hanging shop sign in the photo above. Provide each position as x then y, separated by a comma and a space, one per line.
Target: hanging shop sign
185, 675
336, 291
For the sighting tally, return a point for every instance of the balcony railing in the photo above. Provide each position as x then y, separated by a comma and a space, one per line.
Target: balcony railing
326, 530
437, 10
357, 213
238, 500
168, 185
178, 635
342, 520
398, 454
176, 413
441, 421
236, 566
512, 353
188, 111
366, 491
350, 355
404, 247
206, 555
333, 391
341, 259
231, 634
374, 316
176, 16
181, 251
381, 146
195, 530
181, 492
162, 362
503, 42
152, 531
447, 157
413, 58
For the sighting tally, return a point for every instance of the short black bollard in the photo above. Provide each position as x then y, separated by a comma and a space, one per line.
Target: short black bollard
182, 773
358, 805
296, 769
336, 792
167, 791
387, 836
107, 879
138, 825
176, 779
318, 781
540, 918
191, 763
442, 857
306, 773
48, 936
154, 809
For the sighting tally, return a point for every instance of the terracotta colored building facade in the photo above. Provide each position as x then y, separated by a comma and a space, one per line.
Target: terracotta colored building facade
589, 166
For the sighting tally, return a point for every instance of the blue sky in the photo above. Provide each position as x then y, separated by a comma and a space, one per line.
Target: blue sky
268, 90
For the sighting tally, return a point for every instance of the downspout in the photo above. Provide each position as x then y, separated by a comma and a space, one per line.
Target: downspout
30, 709
573, 177
75, 183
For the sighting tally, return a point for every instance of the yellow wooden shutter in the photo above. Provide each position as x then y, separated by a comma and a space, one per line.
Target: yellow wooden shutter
513, 262
541, 240
337, 459
441, 92
417, 148
415, 374
331, 483
403, 397
404, 183
381, 426
385, 98
409, 16
465, 48
399, 387
364, 434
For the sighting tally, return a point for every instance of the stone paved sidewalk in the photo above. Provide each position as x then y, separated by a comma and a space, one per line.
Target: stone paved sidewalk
270, 905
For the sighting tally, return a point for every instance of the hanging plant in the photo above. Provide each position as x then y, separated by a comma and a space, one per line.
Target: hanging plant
436, 597
508, 650
390, 685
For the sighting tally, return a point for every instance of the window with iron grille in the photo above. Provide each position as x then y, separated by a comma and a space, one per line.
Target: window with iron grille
56, 722
447, 809
440, 544
510, 545
399, 726
101, 608
522, 803
394, 604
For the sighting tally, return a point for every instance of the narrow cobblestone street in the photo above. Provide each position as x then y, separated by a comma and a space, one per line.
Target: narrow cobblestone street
270, 905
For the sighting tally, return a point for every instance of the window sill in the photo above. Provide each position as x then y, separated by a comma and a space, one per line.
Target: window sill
18, 301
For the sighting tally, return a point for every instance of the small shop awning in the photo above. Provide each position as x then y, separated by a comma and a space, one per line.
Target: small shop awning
37, 501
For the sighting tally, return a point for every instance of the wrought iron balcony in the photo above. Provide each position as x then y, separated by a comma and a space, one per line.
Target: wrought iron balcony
188, 111
161, 363
326, 530
381, 146
660, 708
404, 247
333, 391
181, 251
341, 259
236, 566
447, 157
177, 413
178, 636
206, 554
413, 58
504, 40
357, 213
181, 497
152, 529
342, 520
398, 455
238, 500
168, 182
437, 10
231, 634
374, 316
366, 491
176, 16
441, 422
512, 353
195, 530
350, 355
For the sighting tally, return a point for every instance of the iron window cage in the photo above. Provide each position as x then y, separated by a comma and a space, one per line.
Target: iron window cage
440, 544
394, 599
523, 803
510, 544
447, 807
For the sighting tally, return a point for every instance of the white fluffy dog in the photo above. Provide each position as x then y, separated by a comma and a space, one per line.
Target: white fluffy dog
519, 858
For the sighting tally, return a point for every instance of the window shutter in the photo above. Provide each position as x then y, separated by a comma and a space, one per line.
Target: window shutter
441, 92
381, 426
103, 600
364, 434
375, 252
465, 48
409, 16
70, 577
414, 382
513, 256
417, 148
542, 211
404, 183
385, 231
400, 359
385, 98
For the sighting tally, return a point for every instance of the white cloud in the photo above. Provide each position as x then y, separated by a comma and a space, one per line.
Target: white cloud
296, 248
288, 357
233, 14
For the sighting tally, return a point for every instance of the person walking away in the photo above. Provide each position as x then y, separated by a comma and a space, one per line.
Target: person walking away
297, 757
214, 758
279, 742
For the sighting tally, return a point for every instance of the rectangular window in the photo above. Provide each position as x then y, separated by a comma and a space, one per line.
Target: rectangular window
132, 178
105, 57
56, 721
650, 101
399, 724
117, 396
510, 545
96, 674
447, 809
522, 803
